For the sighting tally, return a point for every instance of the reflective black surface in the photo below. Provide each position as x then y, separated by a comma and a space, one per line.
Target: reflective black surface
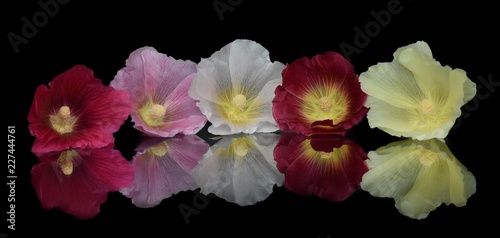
102, 36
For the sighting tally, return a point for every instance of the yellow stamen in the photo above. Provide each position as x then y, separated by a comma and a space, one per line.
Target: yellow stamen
157, 111
237, 108
62, 122
427, 157
239, 101
325, 155
240, 148
427, 107
153, 114
65, 161
159, 149
325, 104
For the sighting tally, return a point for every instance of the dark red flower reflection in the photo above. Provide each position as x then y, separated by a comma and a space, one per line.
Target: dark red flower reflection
321, 95
327, 166
78, 181
76, 111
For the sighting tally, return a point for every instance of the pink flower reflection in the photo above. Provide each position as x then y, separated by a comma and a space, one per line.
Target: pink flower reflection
328, 166
78, 181
162, 168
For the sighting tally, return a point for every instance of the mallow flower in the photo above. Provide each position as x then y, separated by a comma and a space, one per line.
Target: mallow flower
163, 168
414, 96
234, 87
158, 85
328, 166
419, 176
76, 111
319, 95
239, 168
78, 181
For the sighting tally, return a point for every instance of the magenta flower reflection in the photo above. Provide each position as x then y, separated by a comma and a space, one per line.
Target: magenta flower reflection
78, 181
76, 111
327, 166
158, 87
163, 168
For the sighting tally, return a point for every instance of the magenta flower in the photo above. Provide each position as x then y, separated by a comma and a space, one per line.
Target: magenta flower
158, 86
163, 168
78, 181
76, 111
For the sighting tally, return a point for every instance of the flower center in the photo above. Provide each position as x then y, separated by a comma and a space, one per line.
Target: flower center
239, 101
427, 157
427, 107
159, 149
153, 115
65, 161
157, 111
325, 155
62, 121
240, 148
325, 104
238, 109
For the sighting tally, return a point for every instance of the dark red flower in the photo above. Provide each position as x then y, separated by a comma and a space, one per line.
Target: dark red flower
321, 95
76, 111
78, 181
327, 166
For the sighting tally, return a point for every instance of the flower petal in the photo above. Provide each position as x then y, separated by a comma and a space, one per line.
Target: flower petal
239, 169
98, 112
415, 88
94, 173
327, 166
152, 78
419, 175
163, 168
324, 96
232, 87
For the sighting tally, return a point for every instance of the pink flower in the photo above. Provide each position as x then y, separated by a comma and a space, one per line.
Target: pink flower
163, 168
321, 95
327, 166
158, 86
78, 181
76, 111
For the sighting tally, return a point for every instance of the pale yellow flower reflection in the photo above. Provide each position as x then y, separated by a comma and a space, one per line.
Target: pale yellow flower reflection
419, 175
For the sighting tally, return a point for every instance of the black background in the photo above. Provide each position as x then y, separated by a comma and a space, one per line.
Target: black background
101, 36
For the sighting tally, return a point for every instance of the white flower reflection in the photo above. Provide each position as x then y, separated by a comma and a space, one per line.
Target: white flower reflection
419, 175
240, 168
163, 168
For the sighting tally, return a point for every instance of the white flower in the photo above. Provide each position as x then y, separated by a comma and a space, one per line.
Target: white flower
240, 168
235, 88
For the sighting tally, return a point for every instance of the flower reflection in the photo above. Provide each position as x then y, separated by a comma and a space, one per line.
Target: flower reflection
240, 168
162, 168
78, 181
419, 176
328, 166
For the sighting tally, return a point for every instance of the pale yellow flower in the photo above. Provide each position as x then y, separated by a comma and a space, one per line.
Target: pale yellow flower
419, 175
415, 96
